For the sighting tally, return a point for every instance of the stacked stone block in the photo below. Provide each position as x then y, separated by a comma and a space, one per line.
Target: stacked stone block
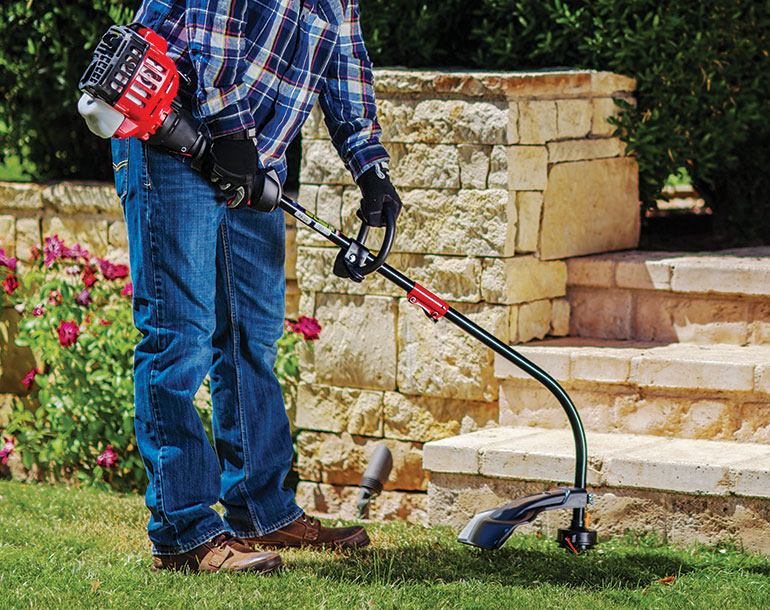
502, 177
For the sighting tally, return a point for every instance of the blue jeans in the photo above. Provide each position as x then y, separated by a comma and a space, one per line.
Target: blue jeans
208, 298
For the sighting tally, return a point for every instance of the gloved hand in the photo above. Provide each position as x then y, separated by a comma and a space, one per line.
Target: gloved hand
376, 190
232, 164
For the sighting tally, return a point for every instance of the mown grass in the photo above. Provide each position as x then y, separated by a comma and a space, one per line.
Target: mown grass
71, 549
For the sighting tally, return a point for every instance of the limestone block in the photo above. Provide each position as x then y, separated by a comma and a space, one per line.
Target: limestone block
322, 165
760, 323
441, 360
604, 108
89, 233
690, 466
340, 459
753, 423
441, 121
8, 234
28, 237
474, 166
314, 127
328, 205
357, 347
527, 168
537, 121
20, 196
590, 271
651, 320
460, 454
425, 166
339, 502
590, 206
75, 198
708, 419
420, 418
560, 318
573, 118
522, 279
674, 369
513, 123
710, 320
529, 205
498, 168
470, 222
603, 365
513, 325
600, 313
291, 304
553, 358
752, 478
644, 271
534, 320
607, 83
527, 403
584, 149
333, 409
728, 275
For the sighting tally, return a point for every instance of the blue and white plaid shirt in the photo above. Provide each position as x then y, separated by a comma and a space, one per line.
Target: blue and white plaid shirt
262, 64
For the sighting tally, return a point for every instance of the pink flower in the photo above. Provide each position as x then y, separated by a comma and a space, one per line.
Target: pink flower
68, 333
108, 458
75, 253
84, 298
52, 249
105, 322
55, 297
111, 271
128, 290
38, 311
7, 261
89, 277
6, 450
309, 327
34, 253
10, 283
29, 378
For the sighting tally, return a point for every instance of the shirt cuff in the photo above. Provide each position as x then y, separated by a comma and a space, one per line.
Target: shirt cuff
232, 119
365, 158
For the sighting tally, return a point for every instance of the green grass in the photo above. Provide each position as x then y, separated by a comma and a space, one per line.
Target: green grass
72, 549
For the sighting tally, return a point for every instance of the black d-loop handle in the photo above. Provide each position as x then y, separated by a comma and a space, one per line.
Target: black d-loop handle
351, 260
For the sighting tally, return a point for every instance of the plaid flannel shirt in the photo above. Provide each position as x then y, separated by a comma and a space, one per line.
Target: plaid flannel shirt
263, 64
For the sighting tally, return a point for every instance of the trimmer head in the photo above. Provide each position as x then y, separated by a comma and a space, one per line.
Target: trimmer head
491, 528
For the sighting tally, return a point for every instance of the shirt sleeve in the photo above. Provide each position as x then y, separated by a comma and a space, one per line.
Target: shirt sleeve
347, 99
216, 38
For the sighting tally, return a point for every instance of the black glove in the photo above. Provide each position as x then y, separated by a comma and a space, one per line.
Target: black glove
376, 191
231, 165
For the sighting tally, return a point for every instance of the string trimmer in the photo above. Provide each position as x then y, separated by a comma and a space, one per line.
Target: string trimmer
129, 90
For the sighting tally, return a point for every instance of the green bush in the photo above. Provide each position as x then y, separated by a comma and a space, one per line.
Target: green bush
46, 46
77, 421
702, 70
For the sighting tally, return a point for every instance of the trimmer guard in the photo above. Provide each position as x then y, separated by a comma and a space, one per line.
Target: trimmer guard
491, 528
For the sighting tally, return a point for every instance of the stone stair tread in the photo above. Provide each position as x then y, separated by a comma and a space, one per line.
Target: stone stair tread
726, 367
692, 466
738, 271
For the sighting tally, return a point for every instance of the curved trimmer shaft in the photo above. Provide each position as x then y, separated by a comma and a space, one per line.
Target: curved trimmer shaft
435, 308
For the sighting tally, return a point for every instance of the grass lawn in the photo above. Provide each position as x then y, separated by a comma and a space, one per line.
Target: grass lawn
64, 549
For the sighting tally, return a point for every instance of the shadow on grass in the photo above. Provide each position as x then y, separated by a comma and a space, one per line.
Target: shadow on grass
509, 566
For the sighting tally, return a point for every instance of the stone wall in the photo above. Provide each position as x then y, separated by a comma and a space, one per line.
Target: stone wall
502, 176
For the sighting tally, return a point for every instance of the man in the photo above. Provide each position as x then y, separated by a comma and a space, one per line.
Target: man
208, 278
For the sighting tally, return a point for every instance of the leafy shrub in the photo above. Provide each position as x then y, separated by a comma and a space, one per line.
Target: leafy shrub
77, 422
46, 46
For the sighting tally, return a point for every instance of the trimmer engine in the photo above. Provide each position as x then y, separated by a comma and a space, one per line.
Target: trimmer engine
129, 90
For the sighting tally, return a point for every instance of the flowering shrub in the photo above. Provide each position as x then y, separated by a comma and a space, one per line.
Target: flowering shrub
77, 420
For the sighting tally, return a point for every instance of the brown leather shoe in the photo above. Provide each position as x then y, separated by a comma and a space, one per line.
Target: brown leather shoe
307, 531
224, 553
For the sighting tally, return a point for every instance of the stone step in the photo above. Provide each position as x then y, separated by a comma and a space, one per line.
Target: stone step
683, 488
717, 297
718, 392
